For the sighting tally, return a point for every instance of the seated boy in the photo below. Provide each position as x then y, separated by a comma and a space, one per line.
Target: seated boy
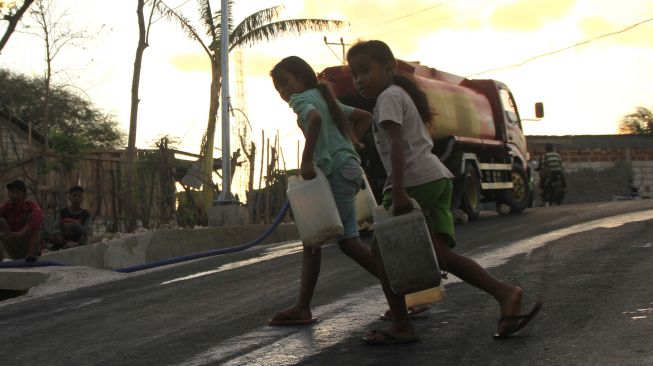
72, 224
20, 224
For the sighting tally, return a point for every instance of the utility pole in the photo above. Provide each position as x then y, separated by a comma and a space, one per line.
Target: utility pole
225, 195
342, 44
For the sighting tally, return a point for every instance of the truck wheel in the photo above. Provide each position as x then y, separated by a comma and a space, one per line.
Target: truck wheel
471, 197
518, 197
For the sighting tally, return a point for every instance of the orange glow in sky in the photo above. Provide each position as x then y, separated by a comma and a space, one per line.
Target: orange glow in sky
585, 89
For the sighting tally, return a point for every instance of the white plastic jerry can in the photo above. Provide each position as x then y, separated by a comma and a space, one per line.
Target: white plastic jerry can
314, 208
406, 251
365, 204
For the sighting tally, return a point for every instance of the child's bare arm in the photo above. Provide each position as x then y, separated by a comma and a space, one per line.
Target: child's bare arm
312, 134
400, 199
361, 121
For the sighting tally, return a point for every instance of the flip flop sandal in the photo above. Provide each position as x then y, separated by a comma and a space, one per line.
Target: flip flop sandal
520, 321
379, 337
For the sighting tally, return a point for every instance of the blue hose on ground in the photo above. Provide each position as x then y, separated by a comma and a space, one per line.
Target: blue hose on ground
213, 252
22, 264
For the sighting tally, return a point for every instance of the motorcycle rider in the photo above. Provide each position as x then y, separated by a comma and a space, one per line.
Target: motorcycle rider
551, 170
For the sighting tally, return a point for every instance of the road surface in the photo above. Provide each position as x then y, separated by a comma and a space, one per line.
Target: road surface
590, 264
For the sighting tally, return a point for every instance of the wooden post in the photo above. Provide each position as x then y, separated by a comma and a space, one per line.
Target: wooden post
267, 183
281, 186
259, 199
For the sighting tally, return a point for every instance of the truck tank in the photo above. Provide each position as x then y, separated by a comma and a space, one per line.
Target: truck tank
459, 111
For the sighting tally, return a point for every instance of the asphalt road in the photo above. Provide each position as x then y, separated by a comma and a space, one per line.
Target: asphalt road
590, 264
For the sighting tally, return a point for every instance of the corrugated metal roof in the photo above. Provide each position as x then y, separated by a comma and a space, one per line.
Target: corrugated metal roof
4, 112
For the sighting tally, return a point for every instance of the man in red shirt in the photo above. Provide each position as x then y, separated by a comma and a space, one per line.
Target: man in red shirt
20, 224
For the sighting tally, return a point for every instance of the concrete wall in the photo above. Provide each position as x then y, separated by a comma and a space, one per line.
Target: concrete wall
163, 244
600, 167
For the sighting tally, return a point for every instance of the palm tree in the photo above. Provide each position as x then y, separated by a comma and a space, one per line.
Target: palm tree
260, 26
638, 123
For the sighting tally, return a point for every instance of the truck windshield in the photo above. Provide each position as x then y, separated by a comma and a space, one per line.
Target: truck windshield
509, 106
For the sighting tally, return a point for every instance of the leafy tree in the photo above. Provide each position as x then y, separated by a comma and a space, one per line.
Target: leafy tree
69, 113
638, 123
260, 26
69, 148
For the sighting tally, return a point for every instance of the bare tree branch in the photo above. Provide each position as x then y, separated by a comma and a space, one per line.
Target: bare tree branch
13, 22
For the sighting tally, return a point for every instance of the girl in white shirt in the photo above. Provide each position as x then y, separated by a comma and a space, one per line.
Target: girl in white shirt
404, 145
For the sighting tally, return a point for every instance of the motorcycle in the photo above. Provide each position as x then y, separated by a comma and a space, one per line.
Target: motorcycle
553, 188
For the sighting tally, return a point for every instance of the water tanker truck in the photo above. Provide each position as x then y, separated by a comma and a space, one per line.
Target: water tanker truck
477, 134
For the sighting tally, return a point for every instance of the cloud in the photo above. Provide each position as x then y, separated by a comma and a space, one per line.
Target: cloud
527, 15
191, 62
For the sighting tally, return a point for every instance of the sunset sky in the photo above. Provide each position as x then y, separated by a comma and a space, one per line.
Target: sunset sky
586, 89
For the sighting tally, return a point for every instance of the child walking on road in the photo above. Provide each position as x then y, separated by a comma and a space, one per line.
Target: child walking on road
404, 145
329, 128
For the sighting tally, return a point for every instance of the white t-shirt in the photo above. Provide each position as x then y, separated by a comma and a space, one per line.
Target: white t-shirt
421, 165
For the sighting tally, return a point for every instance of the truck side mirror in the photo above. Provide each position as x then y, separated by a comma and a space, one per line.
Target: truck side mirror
539, 109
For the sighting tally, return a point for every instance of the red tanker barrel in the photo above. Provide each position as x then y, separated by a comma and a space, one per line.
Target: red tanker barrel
459, 111
340, 80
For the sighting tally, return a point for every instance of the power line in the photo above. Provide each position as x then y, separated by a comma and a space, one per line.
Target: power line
175, 8
563, 49
404, 16
394, 31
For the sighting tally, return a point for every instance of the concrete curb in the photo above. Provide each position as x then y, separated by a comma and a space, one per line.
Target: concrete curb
163, 244
93, 264
44, 281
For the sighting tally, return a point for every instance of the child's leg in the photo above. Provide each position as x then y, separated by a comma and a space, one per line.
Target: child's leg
301, 311
509, 297
4, 227
72, 232
435, 200
360, 253
401, 325
345, 184
33, 243
28, 245
311, 264
471, 272
16, 248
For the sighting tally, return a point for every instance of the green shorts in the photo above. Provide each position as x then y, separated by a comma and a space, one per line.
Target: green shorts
435, 200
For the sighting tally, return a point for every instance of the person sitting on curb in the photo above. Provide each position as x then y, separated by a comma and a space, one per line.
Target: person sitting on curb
72, 224
20, 224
